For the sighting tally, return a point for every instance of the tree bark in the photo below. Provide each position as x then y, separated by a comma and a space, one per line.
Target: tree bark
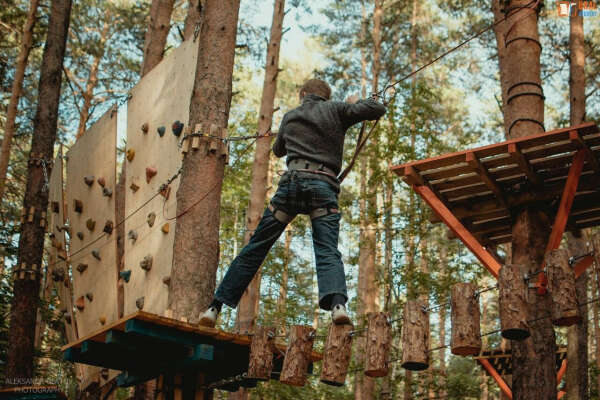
159, 25
561, 285
248, 306
415, 336
337, 354
577, 336
379, 341
196, 248
513, 303
534, 375
31, 240
466, 332
261, 354
17, 86
193, 18
297, 356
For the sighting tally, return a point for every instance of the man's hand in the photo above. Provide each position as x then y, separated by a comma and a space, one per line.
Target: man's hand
352, 99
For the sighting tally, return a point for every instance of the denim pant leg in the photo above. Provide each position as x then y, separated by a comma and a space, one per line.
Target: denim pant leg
330, 268
244, 266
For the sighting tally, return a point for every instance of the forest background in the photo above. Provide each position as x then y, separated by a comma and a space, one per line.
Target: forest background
452, 105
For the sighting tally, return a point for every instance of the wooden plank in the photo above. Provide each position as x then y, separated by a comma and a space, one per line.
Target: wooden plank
461, 232
582, 265
159, 99
549, 150
494, 374
94, 154
490, 182
561, 371
580, 144
520, 159
498, 148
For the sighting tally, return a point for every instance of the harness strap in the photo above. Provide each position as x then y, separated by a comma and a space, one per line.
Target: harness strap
321, 212
281, 216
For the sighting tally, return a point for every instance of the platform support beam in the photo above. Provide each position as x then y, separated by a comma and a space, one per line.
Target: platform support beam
562, 214
488, 261
492, 371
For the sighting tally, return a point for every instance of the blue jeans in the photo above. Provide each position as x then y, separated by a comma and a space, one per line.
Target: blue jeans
294, 196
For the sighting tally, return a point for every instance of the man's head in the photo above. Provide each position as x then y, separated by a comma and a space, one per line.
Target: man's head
315, 86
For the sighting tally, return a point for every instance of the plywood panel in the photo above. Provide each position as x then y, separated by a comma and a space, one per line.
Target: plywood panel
94, 154
161, 98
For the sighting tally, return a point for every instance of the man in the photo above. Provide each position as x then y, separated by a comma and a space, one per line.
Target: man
312, 136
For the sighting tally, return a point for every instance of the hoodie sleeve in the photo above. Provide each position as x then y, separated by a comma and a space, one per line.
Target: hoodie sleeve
363, 110
279, 145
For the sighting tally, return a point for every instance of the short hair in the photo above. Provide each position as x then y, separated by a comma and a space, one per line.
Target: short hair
318, 87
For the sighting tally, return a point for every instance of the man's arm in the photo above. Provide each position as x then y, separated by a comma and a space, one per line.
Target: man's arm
279, 145
353, 111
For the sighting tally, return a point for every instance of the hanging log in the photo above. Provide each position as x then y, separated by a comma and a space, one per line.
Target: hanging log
297, 357
466, 331
513, 303
336, 355
379, 339
415, 336
561, 285
261, 355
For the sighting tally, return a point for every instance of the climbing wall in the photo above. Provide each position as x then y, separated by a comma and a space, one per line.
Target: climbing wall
91, 178
58, 269
156, 115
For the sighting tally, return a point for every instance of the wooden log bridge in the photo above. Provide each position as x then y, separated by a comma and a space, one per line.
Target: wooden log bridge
146, 346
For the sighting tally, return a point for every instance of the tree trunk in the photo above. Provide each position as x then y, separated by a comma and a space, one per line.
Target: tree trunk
596, 290
248, 306
159, 25
261, 354
577, 349
561, 285
337, 354
297, 355
534, 375
193, 18
31, 240
196, 248
441, 378
17, 86
466, 333
415, 336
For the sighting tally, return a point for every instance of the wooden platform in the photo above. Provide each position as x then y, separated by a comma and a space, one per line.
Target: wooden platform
482, 187
145, 345
501, 360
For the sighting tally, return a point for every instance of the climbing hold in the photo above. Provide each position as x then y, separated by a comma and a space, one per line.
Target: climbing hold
78, 206
101, 181
108, 227
96, 255
80, 235
130, 154
89, 180
91, 224
132, 235
150, 220
125, 275
150, 173
80, 303
104, 371
177, 127
139, 303
90, 296
107, 192
145, 127
81, 268
161, 131
68, 319
165, 228
134, 187
167, 280
165, 192
58, 274
102, 320
55, 207
146, 263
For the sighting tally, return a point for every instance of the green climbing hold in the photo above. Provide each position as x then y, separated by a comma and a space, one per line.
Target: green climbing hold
126, 275
161, 131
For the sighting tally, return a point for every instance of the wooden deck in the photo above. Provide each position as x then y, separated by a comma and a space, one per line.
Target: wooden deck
501, 360
145, 345
482, 187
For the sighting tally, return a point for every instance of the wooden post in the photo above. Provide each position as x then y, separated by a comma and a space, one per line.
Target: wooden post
261, 355
561, 285
336, 355
297, 357
379, 339
466, 331
415, 336
513, 303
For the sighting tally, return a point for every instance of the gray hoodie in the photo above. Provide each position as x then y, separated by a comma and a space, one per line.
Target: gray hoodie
315, 131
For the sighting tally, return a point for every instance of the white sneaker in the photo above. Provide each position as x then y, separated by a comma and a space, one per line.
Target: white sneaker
209, 317
339, 315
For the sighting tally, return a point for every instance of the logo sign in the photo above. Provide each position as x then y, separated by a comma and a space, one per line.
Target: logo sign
575, 8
